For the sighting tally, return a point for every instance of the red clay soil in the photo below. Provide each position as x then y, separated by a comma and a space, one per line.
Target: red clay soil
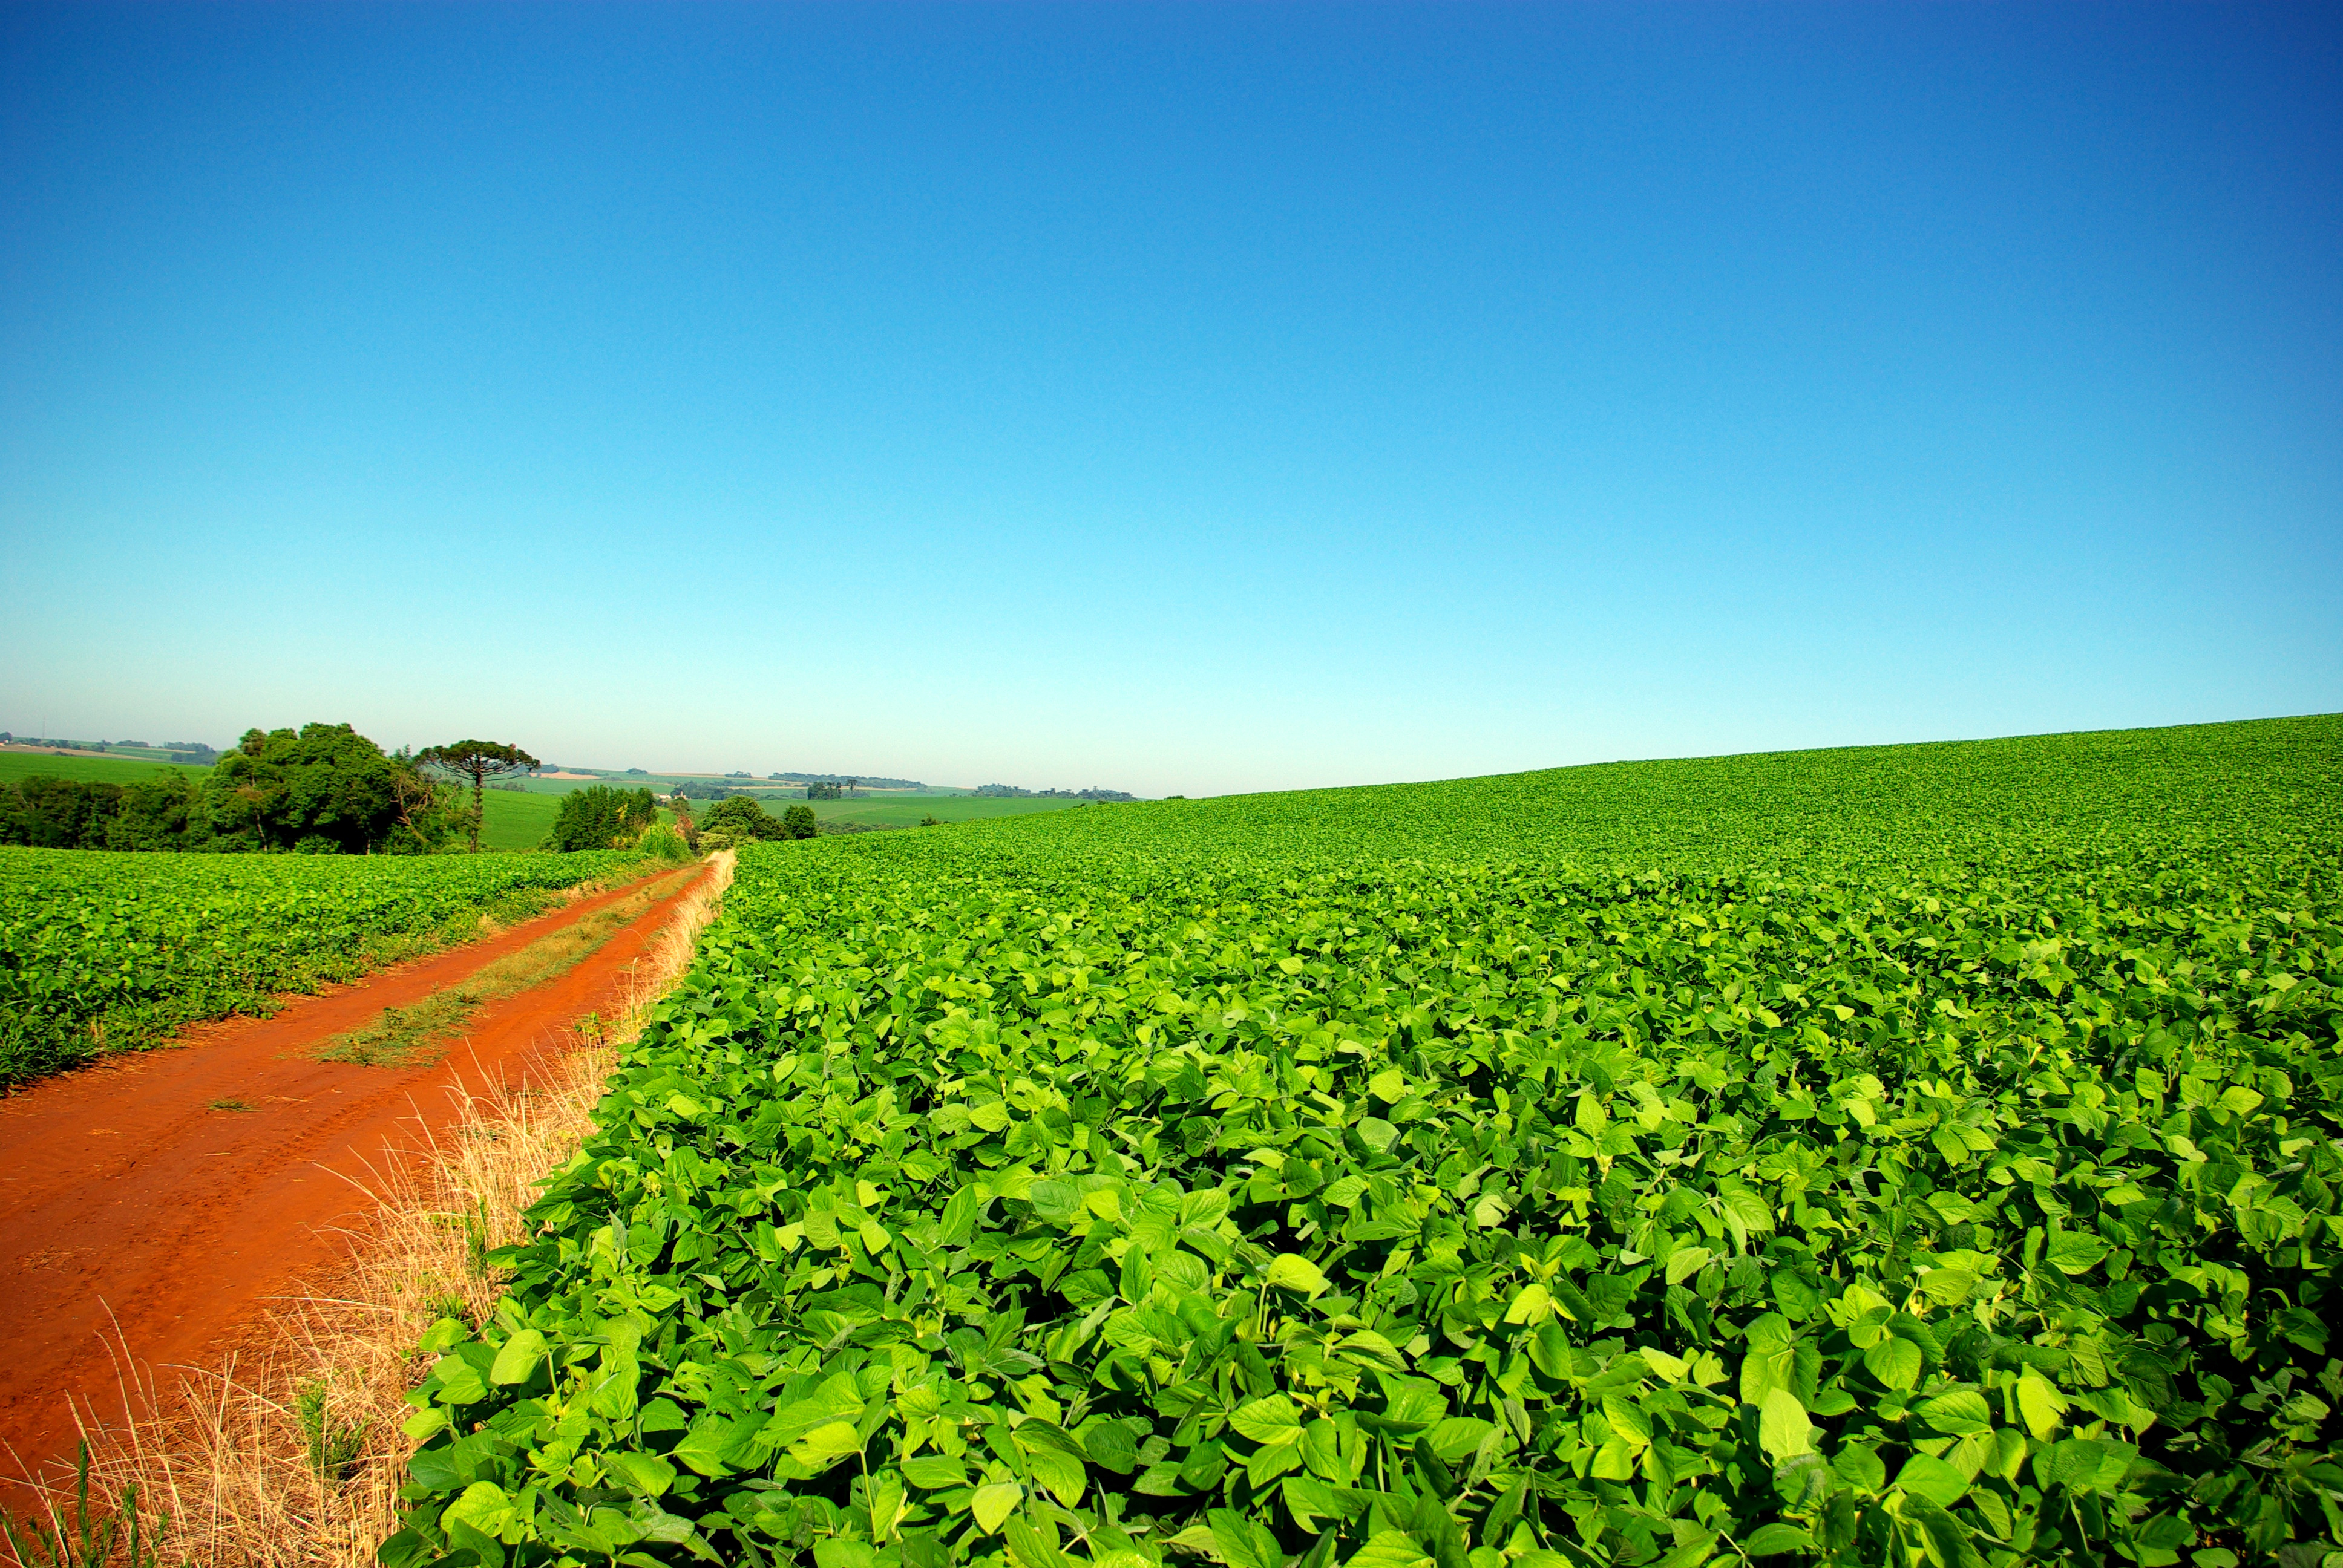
127, 1204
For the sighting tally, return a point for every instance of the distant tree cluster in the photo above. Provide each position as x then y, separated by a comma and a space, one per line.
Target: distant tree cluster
602, 817
850, 779
824, 790
740, 820
1010, 792
322, 790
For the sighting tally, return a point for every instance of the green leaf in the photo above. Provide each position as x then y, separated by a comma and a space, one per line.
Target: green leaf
1030, 1548
484, 1506
844, 1554
1859, 1468
2075, 1252
934, 1472
1060, 1473
1958, 1413
1895, 1362
1243, 1543
1781, 1426
1459, 1436
1775, 1540
637, 1471
518, 1360
826, 1444
1272, 1418
2042, 1406
993, 1503
1389, 1549
459, 1381
1933, 1479
702, 1448
1108, 1444
1686, 1262
1293, 1272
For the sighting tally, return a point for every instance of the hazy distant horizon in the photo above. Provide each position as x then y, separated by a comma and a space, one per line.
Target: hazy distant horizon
761, 775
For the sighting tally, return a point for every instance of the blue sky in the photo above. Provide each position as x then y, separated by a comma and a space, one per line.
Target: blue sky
1182, 398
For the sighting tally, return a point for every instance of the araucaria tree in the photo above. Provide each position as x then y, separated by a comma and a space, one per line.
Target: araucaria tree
478, 761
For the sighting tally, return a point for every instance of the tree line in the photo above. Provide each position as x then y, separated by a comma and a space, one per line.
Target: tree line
322, 790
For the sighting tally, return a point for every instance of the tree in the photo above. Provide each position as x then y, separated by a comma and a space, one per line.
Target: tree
478, 761
742, 818
800, 822
430, 811
602, 818
324, 788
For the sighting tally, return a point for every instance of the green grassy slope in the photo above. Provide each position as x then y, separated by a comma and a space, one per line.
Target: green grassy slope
1881, 806
15, 765
903, 812
512, 820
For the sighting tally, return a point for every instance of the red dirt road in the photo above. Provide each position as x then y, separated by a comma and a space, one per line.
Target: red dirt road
121, 1190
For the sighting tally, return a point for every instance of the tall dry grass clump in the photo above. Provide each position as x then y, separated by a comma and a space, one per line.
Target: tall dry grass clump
293, 1453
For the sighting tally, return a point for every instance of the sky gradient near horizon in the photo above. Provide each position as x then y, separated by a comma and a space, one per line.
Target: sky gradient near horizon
1182, 399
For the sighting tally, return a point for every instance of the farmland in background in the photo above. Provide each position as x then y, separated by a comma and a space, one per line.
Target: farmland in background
16, 765
102, 952
900, 812
1898, 1155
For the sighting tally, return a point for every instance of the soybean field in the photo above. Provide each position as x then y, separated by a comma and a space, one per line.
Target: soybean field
1902, 1155
104, 952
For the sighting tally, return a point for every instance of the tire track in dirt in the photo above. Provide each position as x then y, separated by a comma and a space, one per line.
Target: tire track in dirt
127, 1203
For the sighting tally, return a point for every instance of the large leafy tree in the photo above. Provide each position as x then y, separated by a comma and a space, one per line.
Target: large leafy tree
322, 790
602, 818
478, 761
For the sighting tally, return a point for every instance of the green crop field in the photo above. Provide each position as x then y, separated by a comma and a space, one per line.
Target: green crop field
905, 812
1919, 1155
510, 819
16, 765
105, 951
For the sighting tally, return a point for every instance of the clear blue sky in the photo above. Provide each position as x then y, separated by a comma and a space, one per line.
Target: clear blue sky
1185, 399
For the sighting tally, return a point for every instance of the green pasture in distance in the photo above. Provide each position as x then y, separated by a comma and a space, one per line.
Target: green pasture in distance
510, 819
905, 812
1867, 1157
16, 765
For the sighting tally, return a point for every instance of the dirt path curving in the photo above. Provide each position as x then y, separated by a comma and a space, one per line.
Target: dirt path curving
128, 1202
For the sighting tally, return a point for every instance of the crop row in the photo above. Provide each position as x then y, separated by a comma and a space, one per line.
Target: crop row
1150, 1184
101, 950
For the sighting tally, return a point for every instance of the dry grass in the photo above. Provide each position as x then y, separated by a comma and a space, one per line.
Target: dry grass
293, 1453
